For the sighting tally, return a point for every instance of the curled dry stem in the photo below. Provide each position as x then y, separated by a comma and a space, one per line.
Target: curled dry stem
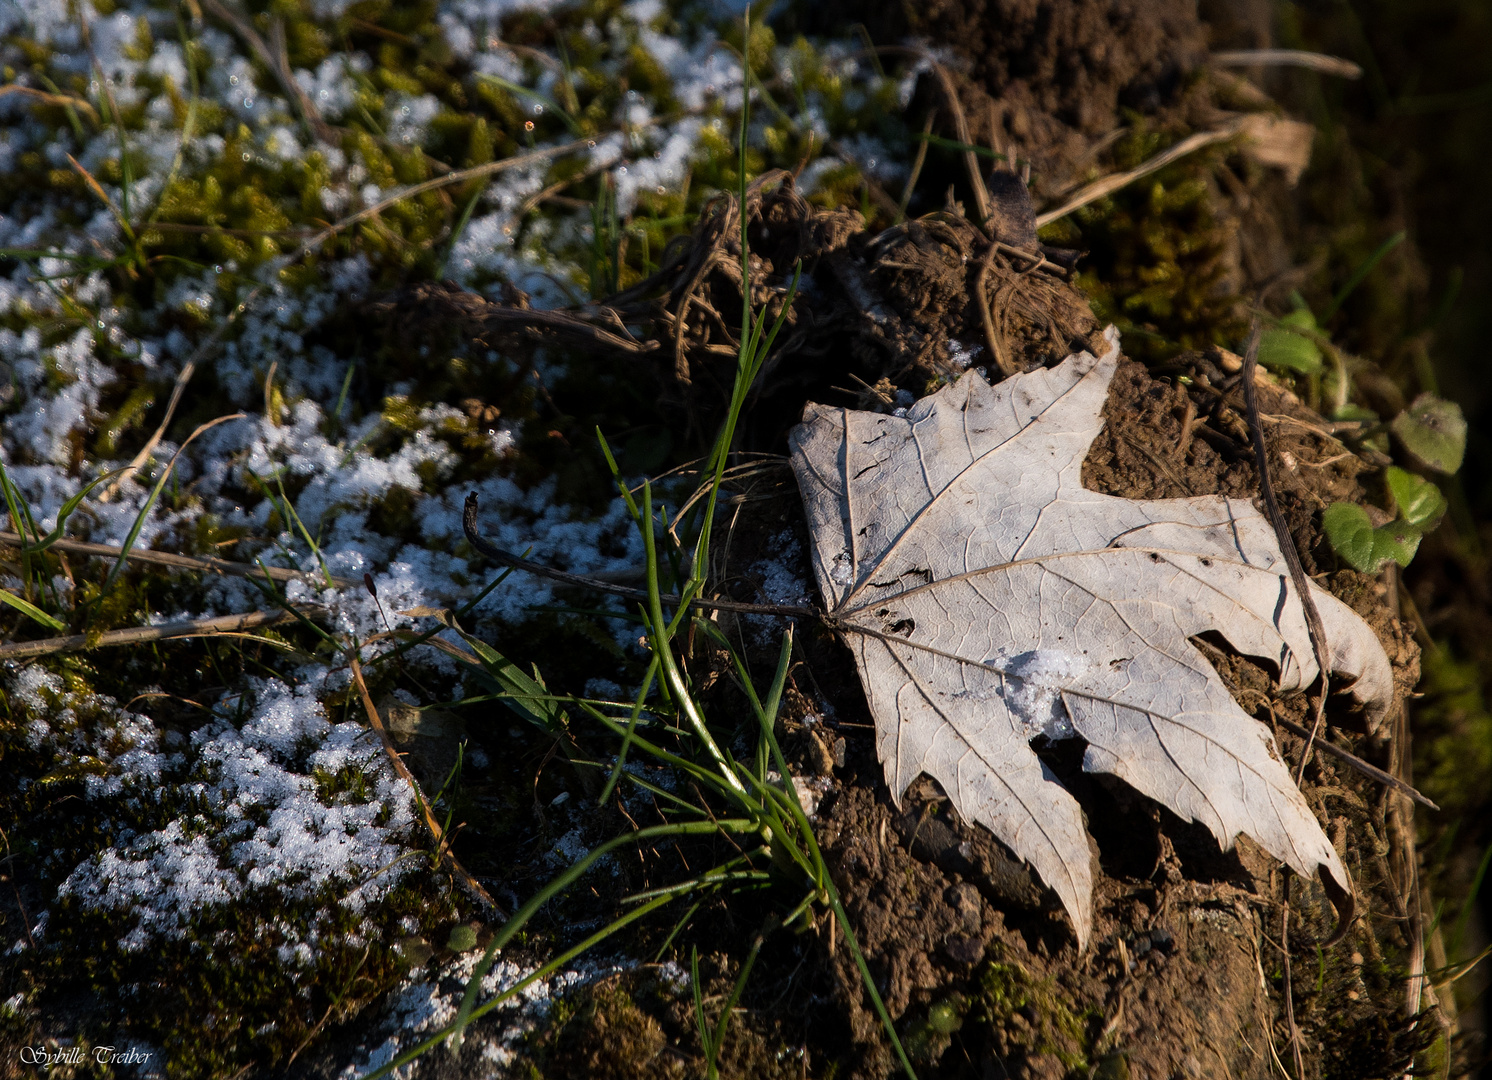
992, 337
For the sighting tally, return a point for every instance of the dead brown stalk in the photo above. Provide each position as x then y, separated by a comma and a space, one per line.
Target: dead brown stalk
204, 563
223, 624
442, 843
1110, 184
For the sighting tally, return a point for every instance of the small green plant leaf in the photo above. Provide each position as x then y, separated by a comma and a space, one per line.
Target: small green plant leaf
1434, 431
1350, 533
1363, 547
1288, 347
31, 610
1398, 540
1420, 502
1300, 320
463, 939
528, 697
1351, 411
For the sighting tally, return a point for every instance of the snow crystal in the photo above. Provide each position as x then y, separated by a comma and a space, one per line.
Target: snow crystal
1033, 689
261, 826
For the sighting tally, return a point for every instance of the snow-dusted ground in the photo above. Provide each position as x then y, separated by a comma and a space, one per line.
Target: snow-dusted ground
235, 809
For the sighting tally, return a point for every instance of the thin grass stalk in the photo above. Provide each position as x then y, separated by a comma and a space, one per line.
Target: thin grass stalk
155, 493
694, 770
712, 1062
520, 918
461, 612
700, 1022
621, 757
517, 988
19, 517
66, 511
658, 637
870, 983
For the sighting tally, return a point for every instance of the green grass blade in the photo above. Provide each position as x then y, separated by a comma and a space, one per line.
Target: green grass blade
535, 96
517, 988
67, 510
698, 773
305, 534
678, 926
20, 516
155, 493
621, 756
267, 587
714, 878
461, 612
526, 696
673, 678
456, 231
563, 881
1458, 934
700, 1022
870, 983
961, 147
730, 1003
32, 611
1360, 273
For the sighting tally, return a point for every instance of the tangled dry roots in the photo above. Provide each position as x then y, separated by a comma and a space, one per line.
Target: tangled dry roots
903, 309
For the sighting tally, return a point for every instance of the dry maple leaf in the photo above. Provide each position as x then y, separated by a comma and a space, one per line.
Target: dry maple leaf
990, 599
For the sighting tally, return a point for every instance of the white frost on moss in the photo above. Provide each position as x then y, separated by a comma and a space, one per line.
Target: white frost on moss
427, 1001
260, 825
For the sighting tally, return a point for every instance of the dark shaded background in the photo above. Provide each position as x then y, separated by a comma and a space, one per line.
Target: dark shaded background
1406, 147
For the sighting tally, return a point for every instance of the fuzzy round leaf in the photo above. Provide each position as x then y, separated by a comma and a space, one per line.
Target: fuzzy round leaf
1363, 547
1350, 533
1420, 502
1285, 350
1398, 540
1434, 431
463, 939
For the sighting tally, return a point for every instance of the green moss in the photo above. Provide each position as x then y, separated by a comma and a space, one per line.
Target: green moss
1158, 255
1042, 1019
1453, 733
928, 1038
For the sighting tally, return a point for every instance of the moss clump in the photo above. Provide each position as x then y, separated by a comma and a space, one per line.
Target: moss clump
1020, 1011
1158, 254
601, 1033
928, 1038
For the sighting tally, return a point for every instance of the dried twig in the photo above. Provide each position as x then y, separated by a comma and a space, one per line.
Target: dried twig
1326, 65
1298, 577
917, 163
184, 562
1289, 989
1370, 771
1342, 899
275, 56
564, 322
135, 635
183, 377
442, 842
507, 558
1110, 184
961, 128
64, 100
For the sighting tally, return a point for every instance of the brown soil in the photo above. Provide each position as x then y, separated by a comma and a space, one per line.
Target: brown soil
974, 959
1185, 976
1047, 79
